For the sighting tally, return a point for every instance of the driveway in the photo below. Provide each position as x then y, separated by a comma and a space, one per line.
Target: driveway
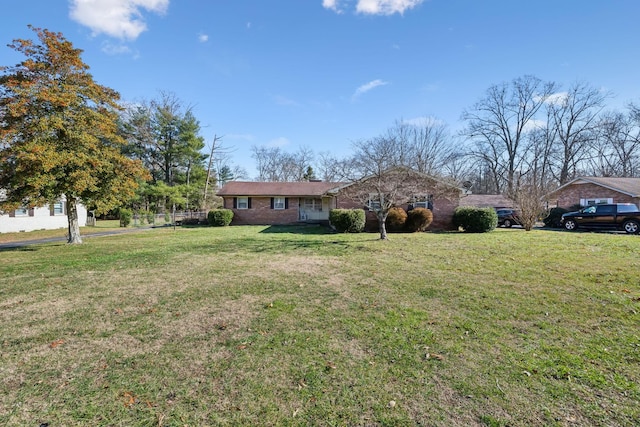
23, 243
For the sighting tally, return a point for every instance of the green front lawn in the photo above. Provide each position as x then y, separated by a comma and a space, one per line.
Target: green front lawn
294, 326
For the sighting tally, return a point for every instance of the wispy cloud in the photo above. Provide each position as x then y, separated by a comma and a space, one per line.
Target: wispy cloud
284, 101
121, 19
278, 142
203, 38
115, 49
374, 7
367, 87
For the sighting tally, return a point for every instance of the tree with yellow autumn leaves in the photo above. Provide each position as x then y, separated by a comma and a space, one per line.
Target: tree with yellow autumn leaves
59, 134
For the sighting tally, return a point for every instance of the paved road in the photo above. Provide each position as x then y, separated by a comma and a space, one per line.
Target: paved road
22, 243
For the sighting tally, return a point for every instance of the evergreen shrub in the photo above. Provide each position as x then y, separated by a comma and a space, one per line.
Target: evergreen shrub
125, 216
553, 218
418, 219
475, 220
396, 219
347, 220
220, 217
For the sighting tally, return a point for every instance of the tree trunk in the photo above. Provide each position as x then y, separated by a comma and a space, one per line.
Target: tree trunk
74, 226
382, 219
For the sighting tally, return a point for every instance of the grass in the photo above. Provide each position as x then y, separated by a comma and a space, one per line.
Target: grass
294, 326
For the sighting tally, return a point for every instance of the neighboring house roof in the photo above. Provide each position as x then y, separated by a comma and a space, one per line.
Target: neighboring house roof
285, 189
401, 169
487, 201
628, 186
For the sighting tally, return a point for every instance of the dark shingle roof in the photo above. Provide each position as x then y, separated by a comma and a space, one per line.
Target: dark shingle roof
487, 201
285, 189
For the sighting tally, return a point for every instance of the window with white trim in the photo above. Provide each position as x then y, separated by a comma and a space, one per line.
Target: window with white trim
21, 212
313, 205
58, 208
242, 203
278, 203
595, 201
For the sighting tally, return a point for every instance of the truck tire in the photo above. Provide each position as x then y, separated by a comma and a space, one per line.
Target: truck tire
631, 226
570, 225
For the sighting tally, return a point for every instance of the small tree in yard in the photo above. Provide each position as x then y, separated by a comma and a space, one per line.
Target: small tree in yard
59, 134
529, 199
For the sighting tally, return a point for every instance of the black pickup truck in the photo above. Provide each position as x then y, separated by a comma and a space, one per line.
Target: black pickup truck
616, 216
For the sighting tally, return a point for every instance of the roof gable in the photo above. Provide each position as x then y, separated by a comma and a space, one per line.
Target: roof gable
628, 186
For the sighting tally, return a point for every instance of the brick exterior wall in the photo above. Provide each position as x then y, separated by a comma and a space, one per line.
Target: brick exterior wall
571, 195
261, 212
443, 210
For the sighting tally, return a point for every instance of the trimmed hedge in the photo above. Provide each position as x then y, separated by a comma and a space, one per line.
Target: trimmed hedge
220, 217
418, 219
347, 220
396, 218
475, 220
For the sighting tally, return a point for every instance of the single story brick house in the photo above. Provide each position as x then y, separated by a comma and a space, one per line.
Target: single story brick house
49, 217
275, 203
586, 191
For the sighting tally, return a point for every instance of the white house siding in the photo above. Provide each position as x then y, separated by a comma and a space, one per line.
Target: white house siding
41, 220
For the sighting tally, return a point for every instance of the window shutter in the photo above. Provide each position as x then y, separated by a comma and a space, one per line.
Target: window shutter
248, 202
286, 203
235, 203
52, 211
12, 214
31, 212
272, 203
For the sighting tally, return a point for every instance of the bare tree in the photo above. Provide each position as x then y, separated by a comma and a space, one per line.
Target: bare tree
384, 180
276, 165
498, 123
573, 118
617, 149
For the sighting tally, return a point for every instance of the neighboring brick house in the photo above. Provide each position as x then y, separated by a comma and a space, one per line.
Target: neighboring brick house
40, 218
585, 191
266, 203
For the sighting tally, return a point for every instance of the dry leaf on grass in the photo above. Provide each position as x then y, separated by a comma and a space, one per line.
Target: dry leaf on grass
56, 343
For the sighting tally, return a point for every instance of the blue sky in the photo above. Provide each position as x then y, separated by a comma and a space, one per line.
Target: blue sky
324, 73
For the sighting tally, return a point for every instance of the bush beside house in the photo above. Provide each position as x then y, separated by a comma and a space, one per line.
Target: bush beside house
347, 220
220, 217
475, 220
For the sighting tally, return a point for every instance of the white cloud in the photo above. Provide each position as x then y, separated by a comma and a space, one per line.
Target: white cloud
203, 38
425, 121
116, 18
375, 7
115, 49
558, 98
368, 86
283, 100
331, 4
278, 142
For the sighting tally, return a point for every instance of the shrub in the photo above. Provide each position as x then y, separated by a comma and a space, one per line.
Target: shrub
220, 217
396, 219
418, 219
553, 218
347, 220
150, 217
125, 216
475, 220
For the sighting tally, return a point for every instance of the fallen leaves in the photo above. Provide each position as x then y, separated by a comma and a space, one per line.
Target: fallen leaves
56, 343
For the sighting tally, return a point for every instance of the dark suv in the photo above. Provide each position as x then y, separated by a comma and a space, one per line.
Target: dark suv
508, 217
